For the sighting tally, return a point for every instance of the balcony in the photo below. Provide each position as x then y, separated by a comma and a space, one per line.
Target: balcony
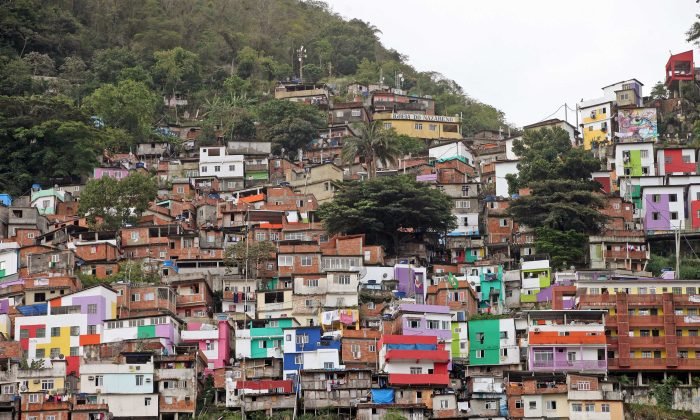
419, 379
256, 168
688, 341
442, 356
553, 338
625, 255
241, 296
191, 299
583, 365
641, 342
653, 364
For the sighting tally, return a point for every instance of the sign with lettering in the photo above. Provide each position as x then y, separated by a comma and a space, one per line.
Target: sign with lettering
420, 117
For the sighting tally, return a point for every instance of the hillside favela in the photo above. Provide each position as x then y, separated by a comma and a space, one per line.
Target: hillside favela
287, 209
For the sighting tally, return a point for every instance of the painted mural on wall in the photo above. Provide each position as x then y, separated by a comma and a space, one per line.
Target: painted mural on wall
637, 124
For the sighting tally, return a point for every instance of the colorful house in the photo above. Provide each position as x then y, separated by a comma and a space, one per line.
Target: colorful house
663, 207
567, 341
215, 341
634, 159
677, 161
71, 322
262, 338
310, 348
414, 360
421, 126
535, 277
492, 342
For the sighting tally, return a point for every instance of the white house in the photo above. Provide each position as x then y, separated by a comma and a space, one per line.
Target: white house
450, 150
634, 159
504, 168
9, 260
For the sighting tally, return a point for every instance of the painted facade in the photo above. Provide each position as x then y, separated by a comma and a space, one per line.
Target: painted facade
214, 341
679, 161
262, 338
637, 125
421, 126
493, 342
536, 280
663, 207
310, 348
416, 360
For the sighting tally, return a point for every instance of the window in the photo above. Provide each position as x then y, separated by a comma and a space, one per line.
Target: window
342, 279
433, 325
217, 168
311, 282
416, 370
55, 352
306, 260
643, 154
578, 407
285, 260
41, 332
139, 380
92, 308
372, 348
356, 113
677, 290
147, 401
674, 215
463, 204
583, 385
328, 365
387, 126
134, 236
413, 323
303, 339
646, 355
299, 359
34, 398
590, 407
418, 126
432, 127
75, 351
371, 305
605, 408
533, 405
672, 198
504, 352
55, 332
479, 354
232, 168
99, 380
46, 384
551, 405
504, 334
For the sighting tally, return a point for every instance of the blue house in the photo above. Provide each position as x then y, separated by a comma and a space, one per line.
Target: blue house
310, 348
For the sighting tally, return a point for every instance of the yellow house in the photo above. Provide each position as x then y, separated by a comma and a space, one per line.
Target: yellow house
422, 126
596, 117
46, 379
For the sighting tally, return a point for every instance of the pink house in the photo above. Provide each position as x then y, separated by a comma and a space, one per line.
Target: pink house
215, 341
116, 173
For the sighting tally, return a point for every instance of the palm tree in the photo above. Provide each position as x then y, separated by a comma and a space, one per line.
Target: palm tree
373, 143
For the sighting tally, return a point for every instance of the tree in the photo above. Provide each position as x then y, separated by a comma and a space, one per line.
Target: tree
250, 254
386, 209
109, 204
372, 144
176, 69
693, 34
408, 145
41, 140
289, 125
40, 64
312, 73
109, 63
15, 77
128, 105
562, 206
659, 91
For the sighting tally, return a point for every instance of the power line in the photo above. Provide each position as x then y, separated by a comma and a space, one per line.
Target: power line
553, 113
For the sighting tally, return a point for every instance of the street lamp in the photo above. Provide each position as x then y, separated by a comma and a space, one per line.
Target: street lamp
301, 54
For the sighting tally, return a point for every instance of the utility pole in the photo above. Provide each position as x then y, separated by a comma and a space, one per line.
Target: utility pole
301, 55
678, 252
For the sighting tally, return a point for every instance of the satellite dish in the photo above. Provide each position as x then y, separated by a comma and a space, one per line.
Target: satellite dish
232, 360
22, 388
61, 356
385, 275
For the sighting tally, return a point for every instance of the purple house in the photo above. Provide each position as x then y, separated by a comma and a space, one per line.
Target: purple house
567, 340
416, 319
116, 173
411, 281
664, 207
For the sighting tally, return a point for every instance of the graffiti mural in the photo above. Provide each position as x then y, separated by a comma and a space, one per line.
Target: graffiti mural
637, 124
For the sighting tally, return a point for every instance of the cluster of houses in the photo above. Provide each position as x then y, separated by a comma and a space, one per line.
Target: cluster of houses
154, 320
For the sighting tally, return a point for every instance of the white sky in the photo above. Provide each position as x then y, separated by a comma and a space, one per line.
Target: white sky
528, 57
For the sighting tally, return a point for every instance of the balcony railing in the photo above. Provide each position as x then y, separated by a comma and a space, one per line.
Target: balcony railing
569, 364
626, 255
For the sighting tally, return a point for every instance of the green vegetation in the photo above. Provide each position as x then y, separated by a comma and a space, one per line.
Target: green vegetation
373, 144
655, 412
387, 210
129, 271
62, 62
108, 204
562, 206
253, 253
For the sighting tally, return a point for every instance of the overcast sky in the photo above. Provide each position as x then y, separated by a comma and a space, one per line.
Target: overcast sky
528, 57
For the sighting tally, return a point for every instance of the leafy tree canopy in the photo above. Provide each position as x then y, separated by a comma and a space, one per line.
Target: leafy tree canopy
43, 139
386, 208
562, 206
108, 204
289, 125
